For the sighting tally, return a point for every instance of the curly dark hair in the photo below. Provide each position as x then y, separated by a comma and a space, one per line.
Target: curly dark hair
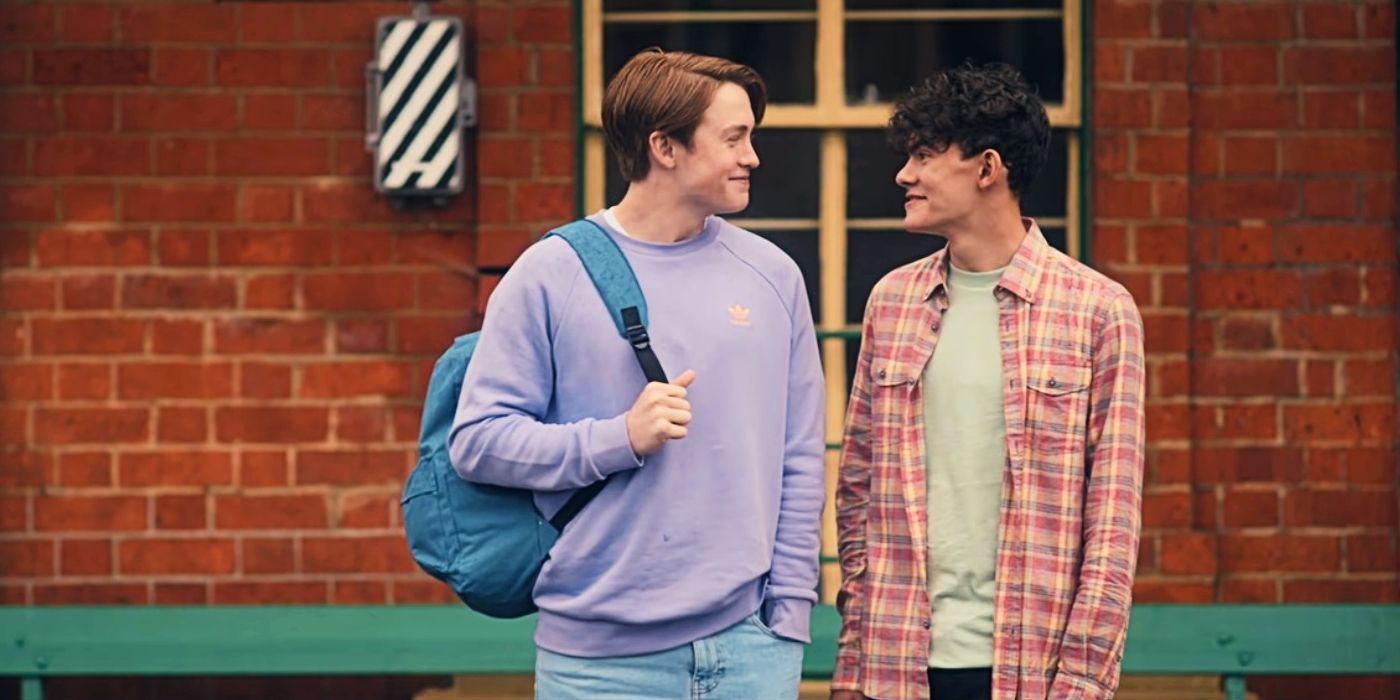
977, 108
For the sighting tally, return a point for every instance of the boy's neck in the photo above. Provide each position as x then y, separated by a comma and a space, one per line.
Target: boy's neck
649, 213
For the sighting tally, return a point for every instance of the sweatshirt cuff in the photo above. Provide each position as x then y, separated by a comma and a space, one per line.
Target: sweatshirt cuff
789, 618
611, 450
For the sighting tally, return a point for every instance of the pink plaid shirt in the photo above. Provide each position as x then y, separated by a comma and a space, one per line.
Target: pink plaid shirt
1072, 358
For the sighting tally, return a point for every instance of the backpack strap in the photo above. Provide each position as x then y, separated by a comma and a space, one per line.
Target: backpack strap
613, 278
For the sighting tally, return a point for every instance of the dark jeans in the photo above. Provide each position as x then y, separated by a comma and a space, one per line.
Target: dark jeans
960, 683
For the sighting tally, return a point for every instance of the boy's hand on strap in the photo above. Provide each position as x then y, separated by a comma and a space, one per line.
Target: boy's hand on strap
661, 413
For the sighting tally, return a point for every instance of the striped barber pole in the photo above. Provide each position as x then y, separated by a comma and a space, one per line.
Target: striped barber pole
417, 106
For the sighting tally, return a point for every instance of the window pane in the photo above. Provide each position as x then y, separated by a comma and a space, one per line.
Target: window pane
870, 168
782, 52
1046, 197
786, 185
870, 255
950, 4
673, 5
883, 59
1056, 238
802, 246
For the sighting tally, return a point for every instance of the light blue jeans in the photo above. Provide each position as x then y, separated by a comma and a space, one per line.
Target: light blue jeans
745, 662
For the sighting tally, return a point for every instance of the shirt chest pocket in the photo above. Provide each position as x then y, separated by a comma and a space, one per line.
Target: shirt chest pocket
1057, 404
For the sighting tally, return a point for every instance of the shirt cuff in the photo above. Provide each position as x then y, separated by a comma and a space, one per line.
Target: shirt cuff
610, 447
1068, 686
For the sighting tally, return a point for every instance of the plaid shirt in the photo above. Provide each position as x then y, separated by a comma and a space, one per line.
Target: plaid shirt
1072, 358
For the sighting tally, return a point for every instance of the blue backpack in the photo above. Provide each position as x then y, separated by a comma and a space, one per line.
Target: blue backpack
489, 542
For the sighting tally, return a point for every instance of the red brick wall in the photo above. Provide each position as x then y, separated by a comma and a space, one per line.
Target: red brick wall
1245, 190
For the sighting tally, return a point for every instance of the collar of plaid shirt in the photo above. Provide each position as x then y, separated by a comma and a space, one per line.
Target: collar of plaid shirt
1070, 516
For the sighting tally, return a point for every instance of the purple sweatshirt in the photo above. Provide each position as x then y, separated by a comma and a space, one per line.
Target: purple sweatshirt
694, 538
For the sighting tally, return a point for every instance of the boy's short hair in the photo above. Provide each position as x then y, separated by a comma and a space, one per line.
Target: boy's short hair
667, 92
977, 108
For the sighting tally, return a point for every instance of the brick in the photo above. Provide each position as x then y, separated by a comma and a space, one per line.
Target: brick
1122, 108
182, 67
88, 111
1331, 110
1378, 198
1159, 64
333, 113
78, 557
355, 554
352, 467
1245, 109
245, 335
1241, 22
27, 382
1245, 199
1330, 21
1339, 65
27, 558
1160, 155
1348, 422
263, 469
260, 380
557, 67
265, 203
90, 594
166, 291
381, 291
420, 592
1251, 156
298, 156
1162, 510
359, 593
364, 248
1249, 65
504, 67
177, 556
177, 337
269, 112
90, 513
21, 112
88, 23
349, 379
265, 23
544, 24
270, 593
92, 66
1339, 332
178, 202
1188, 553
268, 556
88, 292
1249, 590
1335, 508
26, 23
27, 293
59, 247
504, 158
270, 292
446, 290
1379, 109
1371, 553
1245, 377
1340, 591
1279, 553
1245, 244
181, 594
361, 336
544, 203
28, 203
1370, 377
278, 512
179, 112
90, 425
1339, 154
1251, 508
177, 23
1237, 421
84, 381
14, 513
89, 203
271, 424
1248, 289
299, 248
14, 432
1321, 378
1172, 108
360, 424
344, 203
1330, 198
182, 425
546, 112
175, 248
169, 468
1125, 20
1332, 287
181, 513
183, 156
273, 67
368, 511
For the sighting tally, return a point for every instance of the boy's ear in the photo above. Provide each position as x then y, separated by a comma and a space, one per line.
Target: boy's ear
662, 149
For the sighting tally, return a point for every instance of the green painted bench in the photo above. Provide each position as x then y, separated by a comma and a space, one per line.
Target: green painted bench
38, 643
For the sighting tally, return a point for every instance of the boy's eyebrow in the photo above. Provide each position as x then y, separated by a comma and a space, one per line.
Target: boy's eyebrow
737, 130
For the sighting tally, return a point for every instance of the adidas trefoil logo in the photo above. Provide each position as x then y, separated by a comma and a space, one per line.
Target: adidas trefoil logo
739, 315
